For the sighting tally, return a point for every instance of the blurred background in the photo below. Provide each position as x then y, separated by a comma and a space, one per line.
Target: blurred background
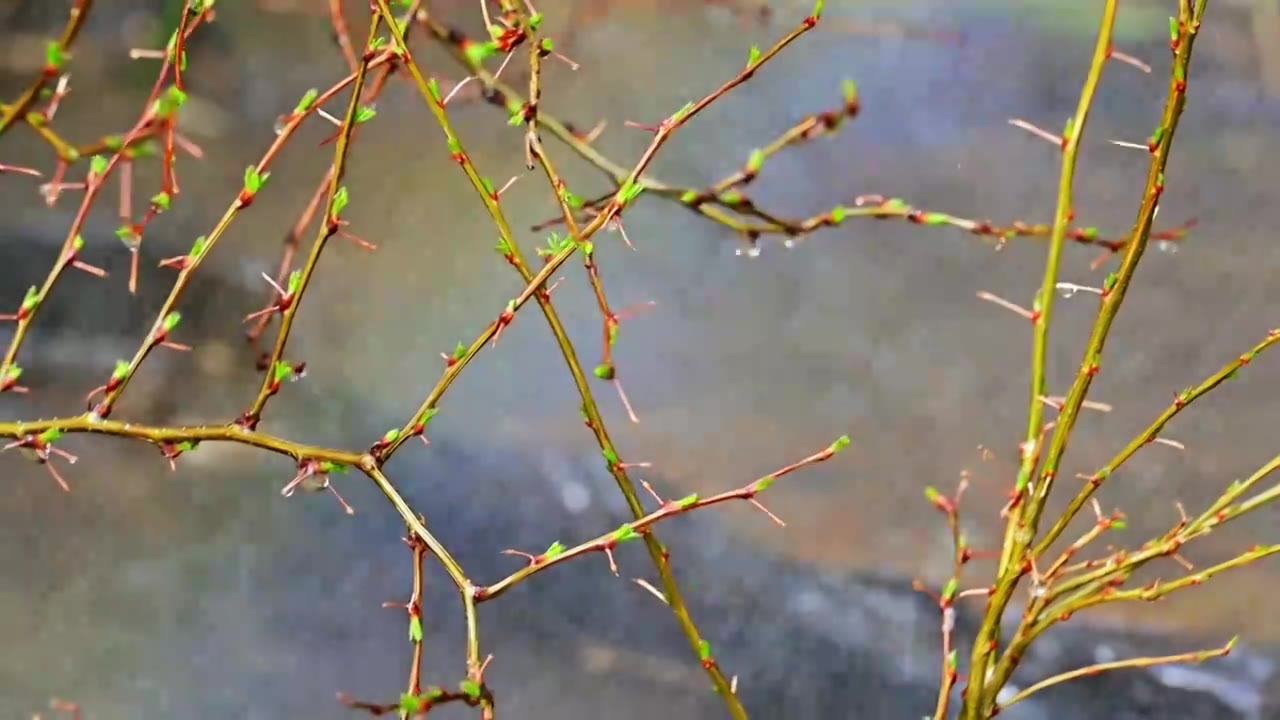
140, 579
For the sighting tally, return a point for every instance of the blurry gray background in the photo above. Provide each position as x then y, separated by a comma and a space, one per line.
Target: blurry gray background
142, 585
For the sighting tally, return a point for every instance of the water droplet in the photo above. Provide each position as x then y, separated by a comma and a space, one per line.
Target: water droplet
1167, 246
754, 251
1067, 290
281, 122
788, 243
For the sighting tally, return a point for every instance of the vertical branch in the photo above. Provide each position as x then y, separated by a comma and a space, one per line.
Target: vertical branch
1024, 519
1016, 535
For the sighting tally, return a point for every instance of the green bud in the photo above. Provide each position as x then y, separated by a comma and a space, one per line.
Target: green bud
307, 101
340, 200
625, 533
841, 443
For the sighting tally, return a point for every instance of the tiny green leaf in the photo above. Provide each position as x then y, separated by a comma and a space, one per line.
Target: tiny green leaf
409, 702
391, 436
50, 435
1173, 29
460, 351
1119, 524
838, 214
604, 372
731, 197
340, 200
625, 533
841, 443
704, 650
763, 483
478, 52
470, 688
817, 10
54, 56
121, 370
572, 200
687, 501
307, 101
161, 200
629, 191
850, 92
364, 114
31, 299
415, 629
554, 550
282, 370
253, 180
610, 456
197, 247
295, 282
172, 99
680, 114
755, 161
171, 321
98, 165
433, 87
753, 56
949, 590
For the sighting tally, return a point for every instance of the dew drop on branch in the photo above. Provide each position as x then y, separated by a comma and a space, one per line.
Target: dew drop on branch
1167, 246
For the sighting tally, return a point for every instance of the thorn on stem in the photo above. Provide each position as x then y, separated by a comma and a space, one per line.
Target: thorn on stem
1041, 133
